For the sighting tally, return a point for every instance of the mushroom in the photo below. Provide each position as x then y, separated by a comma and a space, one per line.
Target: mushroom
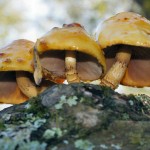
16, 69
69, 52
125, 39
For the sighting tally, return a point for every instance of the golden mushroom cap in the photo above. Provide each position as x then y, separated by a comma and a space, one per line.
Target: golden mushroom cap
73, 38
17, 56
125, 28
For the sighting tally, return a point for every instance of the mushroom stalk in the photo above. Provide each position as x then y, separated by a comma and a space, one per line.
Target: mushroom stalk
117, 71
37, 68
71, 69
25, 84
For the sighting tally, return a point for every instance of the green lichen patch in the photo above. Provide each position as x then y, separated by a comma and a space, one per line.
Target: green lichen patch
53, 133
71, 101
7, 144
18, 136
83, 144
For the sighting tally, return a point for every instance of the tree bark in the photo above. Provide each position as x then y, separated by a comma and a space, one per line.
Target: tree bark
77, 116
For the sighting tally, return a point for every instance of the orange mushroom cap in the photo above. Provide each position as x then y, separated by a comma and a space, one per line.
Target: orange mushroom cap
18, 55
125, 28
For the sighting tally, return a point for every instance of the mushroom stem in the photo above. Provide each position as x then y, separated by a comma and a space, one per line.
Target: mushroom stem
25, 84
117, 71
37, 68
70, 64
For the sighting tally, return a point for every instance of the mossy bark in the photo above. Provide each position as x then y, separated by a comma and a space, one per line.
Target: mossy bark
77, 116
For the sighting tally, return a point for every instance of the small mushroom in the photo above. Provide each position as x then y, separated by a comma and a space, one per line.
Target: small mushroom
16, 72
15, 63
69, 52
125, 39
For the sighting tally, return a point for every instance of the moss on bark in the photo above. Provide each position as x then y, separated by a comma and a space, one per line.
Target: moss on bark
77, 116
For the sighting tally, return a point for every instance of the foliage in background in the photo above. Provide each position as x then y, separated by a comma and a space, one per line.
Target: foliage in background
31, 19
10, 21
145, 5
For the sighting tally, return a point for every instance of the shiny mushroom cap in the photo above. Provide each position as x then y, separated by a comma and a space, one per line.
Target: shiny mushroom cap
52, 47
16, 61
132, 30
18, 55
125, 28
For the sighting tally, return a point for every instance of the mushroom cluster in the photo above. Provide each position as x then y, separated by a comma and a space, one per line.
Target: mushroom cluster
66, 53
70, 53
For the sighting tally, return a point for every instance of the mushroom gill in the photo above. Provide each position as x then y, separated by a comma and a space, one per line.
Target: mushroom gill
87, 67
138, 71
10, 93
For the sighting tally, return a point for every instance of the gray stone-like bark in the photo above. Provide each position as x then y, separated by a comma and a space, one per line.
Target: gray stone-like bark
77, 116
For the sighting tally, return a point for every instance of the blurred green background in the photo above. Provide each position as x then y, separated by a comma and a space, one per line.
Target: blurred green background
31, 19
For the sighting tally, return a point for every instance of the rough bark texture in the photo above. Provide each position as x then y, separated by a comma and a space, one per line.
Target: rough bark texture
77, 116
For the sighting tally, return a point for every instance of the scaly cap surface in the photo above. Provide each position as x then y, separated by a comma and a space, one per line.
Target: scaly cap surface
125, 28
17, 56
